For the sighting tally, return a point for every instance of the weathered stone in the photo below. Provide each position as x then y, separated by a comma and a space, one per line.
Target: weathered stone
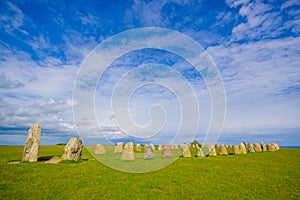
190, 146
172, 146
243, 149
212, 151
100, 149
276, 146
216, 146
200, 153
138, 147
263, 146
223, 150
185, 151
128, 153
153, 147
251, 148
166, 151
235, 149
197, 146
257, 147
31, 149
119, 147
159, 147
271, 147
73, 150
226, 145
148, 153
231, 146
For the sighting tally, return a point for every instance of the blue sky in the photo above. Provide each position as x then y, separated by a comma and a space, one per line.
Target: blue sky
254, 44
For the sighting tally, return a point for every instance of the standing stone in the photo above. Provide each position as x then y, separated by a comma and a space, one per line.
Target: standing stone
235, 149
128, 153
276, 146
212, 151
148, 153
226, 145
231, 146
186, 153
216, 146
153, 147
119, 147
257, 147
251, 148
159, 147
166, 151
271, 147
263, 146
223, 150
73, 150
100, 149
31, 149
243, 149
138, 147
197, 146
200, 153
172, 146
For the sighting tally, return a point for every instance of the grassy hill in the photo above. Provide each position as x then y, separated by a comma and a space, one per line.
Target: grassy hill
268, 175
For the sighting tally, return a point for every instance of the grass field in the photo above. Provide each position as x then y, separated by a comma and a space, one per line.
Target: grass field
268, 175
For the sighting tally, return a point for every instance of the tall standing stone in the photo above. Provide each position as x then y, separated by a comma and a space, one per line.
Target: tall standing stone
31, 149
186, 153
223, 150
100, 149
138, 148
73, 150
212, 151
243, 149
119, 147
128, 153
166, 151
235, 149
257, 147
148, 153
251, 148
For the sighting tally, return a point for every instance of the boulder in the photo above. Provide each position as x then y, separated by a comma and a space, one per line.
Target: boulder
185, 151
128, 153
243, 149
166, 151
119, 147
73, 150
31, 149
100, 149
257, 147
263, 146
271, 147
235, 149
251, 148
148, 153
138, 147
212, 151
223, 150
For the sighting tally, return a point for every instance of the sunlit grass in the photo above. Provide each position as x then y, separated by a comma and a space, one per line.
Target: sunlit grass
269, 175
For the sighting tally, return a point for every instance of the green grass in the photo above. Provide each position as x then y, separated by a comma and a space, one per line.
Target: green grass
269, 175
